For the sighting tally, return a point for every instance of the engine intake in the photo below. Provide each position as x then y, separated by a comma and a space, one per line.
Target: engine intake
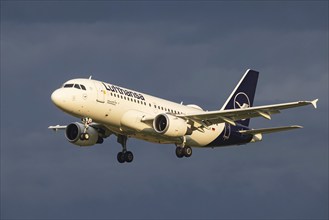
73, 133
171, 126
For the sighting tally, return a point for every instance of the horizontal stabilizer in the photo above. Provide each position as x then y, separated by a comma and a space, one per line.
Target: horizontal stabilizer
269, 130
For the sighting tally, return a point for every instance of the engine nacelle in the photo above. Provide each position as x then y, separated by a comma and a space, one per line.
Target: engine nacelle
74, 131
171, 126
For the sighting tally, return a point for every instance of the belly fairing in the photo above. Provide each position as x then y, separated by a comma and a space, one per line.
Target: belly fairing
205, 137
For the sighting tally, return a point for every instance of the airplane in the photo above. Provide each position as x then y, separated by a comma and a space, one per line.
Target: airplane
106, 109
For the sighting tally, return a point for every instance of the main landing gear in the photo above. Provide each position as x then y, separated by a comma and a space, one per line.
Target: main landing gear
124, 155
183, 151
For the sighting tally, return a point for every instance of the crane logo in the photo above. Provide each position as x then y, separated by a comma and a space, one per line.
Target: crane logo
241, 100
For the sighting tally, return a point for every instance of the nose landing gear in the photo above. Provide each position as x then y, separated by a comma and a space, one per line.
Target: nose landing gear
84, 136
86, 122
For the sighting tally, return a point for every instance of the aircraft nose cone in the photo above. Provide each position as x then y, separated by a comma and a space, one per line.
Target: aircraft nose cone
57, 97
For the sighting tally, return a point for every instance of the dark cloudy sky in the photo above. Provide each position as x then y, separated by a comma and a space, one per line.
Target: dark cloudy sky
183, 51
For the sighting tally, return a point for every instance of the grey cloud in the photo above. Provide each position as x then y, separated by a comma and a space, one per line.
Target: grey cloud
290, 15
177, 50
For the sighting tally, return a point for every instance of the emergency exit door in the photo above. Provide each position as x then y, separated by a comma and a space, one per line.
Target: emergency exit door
101, 92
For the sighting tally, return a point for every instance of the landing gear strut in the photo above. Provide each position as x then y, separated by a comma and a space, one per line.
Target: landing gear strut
124, 155
86, 122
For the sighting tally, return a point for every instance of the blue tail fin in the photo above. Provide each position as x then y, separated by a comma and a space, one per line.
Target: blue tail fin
243, 94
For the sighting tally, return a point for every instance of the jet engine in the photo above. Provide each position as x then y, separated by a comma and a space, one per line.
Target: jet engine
74, 132
171, 126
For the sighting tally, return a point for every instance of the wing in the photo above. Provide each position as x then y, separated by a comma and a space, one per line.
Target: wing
231, 115
57, 127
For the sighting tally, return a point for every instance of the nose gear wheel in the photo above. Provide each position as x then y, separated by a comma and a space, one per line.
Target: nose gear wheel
84, 136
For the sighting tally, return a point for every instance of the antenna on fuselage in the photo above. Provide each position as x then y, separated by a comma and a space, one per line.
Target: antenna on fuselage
90, 77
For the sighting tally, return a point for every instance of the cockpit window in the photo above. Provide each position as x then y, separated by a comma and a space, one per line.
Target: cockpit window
77, 86
68, 85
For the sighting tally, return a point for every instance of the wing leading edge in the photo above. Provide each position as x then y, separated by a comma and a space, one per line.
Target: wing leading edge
57, 127
232, 115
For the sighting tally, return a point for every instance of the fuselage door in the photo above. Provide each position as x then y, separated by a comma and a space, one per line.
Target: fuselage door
155, 107
227, 131
101, 92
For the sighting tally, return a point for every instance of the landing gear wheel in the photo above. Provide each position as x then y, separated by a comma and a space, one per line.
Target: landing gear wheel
124, 155
121, 157
84, 136
179, 152
187, 151
129, 157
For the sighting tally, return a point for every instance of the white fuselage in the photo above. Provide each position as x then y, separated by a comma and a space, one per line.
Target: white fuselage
124, 111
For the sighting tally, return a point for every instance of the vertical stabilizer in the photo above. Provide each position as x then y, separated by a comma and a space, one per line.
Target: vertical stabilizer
243, 94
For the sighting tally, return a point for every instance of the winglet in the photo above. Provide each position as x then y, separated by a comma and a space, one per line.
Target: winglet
296, 126
314, 102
